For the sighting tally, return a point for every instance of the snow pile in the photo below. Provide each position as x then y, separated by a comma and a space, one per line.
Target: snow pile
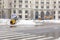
39, 22
25, 22
3, 21
52, 21
57, 39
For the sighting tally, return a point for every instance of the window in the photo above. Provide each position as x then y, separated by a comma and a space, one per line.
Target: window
20, 5
10, 4
0, 3
59, 1
14, 11
59, 6
20, 1
0, 0
47, 13
26, 5
20, 11
26, 11
36, 2
36, 12
47, 7
42, 6
26, 16
14, 1
47, 2
54, 17
0, 16
54, 2
59, 17
59, 12
42, 2
26, 1
54, 6
0, 12
36, 6
30, 1
14, 5
54, 12
36, 15
20, 16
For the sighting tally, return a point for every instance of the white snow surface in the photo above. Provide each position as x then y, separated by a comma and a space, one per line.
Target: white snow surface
25, 22
58, 38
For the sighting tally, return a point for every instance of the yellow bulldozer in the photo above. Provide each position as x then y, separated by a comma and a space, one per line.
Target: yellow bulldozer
13, 21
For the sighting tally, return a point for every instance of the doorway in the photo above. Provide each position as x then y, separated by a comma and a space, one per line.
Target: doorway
42, 15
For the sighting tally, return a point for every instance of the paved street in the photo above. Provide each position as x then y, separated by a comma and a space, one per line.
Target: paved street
43, 32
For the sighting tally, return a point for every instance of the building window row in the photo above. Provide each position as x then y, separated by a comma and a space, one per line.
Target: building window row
42, 2
27, 11
20, 11
20, 6
20, 1
42, 6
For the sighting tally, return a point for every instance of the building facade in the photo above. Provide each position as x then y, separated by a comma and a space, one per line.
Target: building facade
31, 9
5, 9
